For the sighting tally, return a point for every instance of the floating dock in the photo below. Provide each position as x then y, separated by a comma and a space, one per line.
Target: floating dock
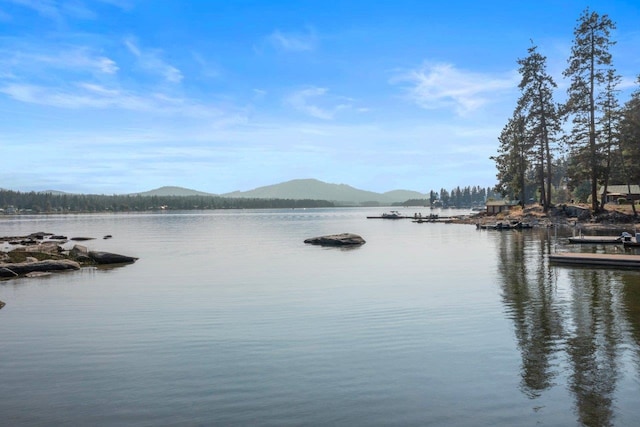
596, 239
589, 259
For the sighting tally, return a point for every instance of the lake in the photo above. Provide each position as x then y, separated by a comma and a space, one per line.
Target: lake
228, 318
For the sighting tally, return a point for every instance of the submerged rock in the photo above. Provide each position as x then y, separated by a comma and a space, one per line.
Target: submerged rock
344, 239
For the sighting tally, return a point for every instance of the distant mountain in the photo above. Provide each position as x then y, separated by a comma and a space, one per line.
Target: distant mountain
318, 190
297, 189
173, 191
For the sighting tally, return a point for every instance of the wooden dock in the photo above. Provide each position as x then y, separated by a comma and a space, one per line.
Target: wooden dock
592, 240
590, 259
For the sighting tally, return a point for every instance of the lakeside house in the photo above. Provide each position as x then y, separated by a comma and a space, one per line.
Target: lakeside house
496, 206
615, 192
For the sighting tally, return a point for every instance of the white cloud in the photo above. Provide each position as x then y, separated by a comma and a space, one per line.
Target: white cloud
46, 8
441, 85
26, 60
152, 62
90, 95
307, 100
294, 42
56, 10
208, 69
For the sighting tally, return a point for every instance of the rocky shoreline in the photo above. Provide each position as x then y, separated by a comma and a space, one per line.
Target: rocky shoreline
42, 253
560, 216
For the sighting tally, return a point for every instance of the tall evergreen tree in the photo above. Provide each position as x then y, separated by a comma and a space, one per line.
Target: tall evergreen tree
513, 158
541, 118
589, 61
608, 124
629, 129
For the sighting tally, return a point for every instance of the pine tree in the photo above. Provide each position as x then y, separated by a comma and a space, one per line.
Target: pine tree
541, 118
608, 123
629, 130
588, 64
513, 158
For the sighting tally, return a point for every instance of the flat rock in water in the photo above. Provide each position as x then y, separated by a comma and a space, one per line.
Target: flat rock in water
109, 258
22, 268
344, 239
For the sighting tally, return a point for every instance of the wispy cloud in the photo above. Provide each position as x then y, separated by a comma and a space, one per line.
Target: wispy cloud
208, 69
307, 101
434, 86
28, 60
151, 61
58, 11
294, 42
90, 95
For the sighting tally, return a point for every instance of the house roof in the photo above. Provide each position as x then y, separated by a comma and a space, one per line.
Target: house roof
621, 189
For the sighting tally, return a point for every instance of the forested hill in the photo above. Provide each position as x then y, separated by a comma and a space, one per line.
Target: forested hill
17, 202
315, 189
306, 193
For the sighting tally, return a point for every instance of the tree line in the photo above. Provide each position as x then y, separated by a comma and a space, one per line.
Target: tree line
465, 197
550, 150
38, 202
43, 202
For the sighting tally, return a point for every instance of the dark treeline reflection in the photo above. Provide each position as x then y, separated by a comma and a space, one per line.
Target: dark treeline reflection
574, 322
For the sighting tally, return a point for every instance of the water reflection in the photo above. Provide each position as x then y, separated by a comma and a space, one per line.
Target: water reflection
569, 321
529, 293
593, 345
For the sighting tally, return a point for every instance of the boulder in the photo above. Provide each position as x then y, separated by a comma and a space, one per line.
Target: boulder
344, 239
5, 272
80, 253
22, 268
110, 258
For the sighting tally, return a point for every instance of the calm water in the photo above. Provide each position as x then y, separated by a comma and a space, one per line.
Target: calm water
229, 319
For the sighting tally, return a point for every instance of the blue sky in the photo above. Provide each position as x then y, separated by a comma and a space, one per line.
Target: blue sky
118, 96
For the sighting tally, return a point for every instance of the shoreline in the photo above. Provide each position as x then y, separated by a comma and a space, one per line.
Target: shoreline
42, 253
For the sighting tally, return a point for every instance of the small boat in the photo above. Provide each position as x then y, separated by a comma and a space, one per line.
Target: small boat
391, 215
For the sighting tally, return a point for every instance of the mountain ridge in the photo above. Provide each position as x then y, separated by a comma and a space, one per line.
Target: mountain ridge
299, 189
169, 190
318, 190
296, 189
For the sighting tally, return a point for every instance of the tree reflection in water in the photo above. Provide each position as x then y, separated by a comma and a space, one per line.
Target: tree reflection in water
528, 290
569, 319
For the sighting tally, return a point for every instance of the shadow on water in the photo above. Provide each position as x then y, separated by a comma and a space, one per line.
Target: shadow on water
569, 322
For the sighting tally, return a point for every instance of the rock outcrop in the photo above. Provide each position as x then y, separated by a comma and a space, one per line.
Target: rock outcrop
344, 239
37, 254
110, 258
22, 268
